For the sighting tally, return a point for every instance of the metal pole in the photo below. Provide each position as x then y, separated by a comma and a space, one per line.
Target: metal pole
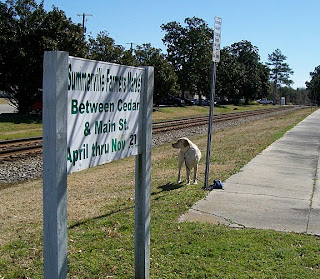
212, 96
143, 182
55, 89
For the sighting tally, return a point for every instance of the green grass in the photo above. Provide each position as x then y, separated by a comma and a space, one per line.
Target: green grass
14, 126
103, 245
167, 113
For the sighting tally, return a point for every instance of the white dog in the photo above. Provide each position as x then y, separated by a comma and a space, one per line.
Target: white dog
190, 154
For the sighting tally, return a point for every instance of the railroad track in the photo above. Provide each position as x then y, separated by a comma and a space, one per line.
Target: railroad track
19, 147
12, 149
164, 126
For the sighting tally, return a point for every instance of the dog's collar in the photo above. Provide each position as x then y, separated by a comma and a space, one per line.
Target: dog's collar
184, 153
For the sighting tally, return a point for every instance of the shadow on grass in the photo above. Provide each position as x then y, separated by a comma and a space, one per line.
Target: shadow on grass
83, 222
168, 187
164, 188
158, 195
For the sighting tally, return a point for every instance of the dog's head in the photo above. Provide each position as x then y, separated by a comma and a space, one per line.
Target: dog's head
182, 143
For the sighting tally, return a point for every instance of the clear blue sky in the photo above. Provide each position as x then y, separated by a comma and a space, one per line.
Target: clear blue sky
293, 26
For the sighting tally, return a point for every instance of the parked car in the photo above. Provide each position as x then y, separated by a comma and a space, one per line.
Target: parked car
204, 102
170, 100
189, 102
36, 108
265, 101
221, 101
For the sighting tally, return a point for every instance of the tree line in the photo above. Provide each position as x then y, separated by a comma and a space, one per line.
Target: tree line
27, 30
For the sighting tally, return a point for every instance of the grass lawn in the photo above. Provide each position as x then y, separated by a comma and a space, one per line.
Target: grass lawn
167, 113
101, 220
13, 126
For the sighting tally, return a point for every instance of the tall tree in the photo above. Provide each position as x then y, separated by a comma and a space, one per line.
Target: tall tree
189, 50
27, 30
165, 79
251, 71
313, 86
230, 74
103, 48
279, 71
264, 84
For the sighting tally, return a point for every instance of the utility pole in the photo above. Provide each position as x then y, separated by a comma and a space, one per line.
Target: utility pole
83, 21
131, 46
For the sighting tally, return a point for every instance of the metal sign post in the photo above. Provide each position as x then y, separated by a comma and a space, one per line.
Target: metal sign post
215, 59
143, 182
55, 86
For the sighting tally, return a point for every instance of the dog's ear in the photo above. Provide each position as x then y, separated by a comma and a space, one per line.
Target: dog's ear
186, 143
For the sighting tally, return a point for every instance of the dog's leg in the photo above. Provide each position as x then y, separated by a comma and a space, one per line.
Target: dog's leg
181, 160
188, 175
195, 174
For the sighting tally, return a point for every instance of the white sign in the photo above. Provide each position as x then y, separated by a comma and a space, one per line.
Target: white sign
95, 112
103, 112
216, 55
216, 39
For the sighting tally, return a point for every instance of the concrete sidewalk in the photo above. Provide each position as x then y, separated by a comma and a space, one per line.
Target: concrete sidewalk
279, 189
